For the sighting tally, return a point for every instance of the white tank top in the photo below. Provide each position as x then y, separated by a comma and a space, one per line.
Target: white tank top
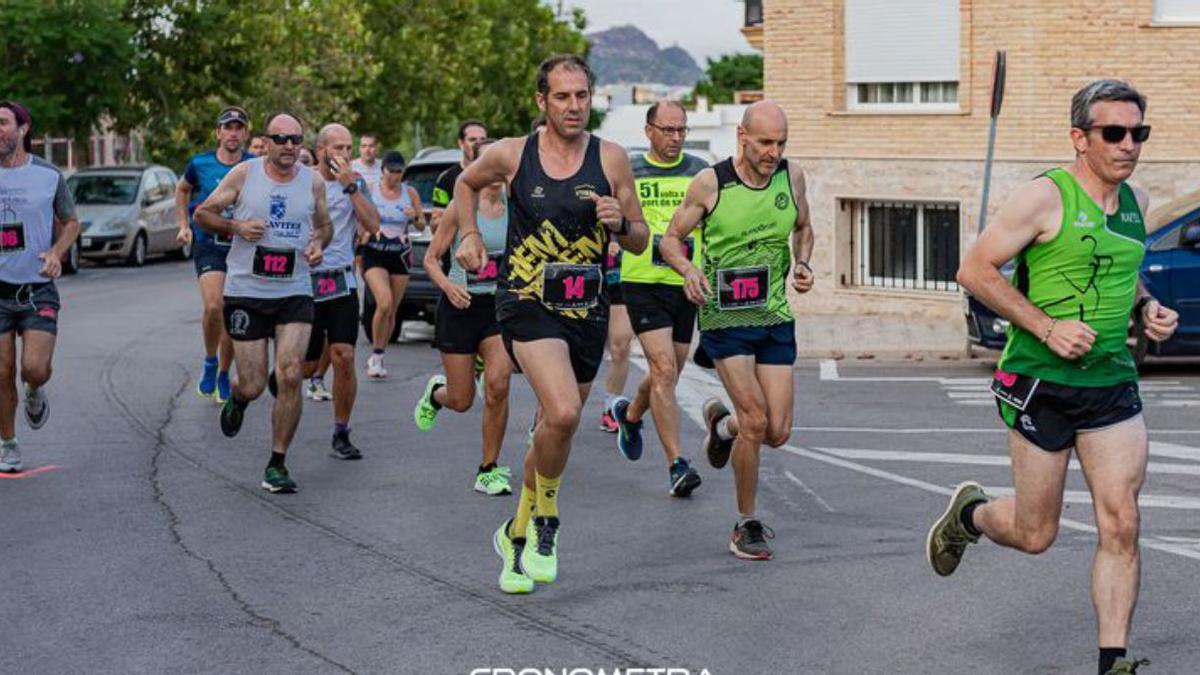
287, 209
393, 224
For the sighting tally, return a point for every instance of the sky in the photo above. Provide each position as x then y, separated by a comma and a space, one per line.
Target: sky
705, 28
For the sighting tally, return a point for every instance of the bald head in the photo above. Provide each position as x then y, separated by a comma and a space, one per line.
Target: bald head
283, 123
332, 134
333, 140
764, 117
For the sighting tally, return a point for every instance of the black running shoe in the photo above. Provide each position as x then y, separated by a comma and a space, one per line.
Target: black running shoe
232, 415
749, 541
715, 447
343, 448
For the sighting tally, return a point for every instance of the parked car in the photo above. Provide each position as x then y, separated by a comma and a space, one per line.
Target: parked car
421, 296
126, 213
1171, 272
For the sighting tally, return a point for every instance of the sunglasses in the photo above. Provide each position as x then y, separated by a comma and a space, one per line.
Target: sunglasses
281, 139
1115, 133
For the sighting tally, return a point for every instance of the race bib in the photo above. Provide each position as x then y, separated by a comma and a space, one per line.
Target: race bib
743, 287
329, 284
12, 237
656, 258
489, 272
223, 239
612, 268
274, 263
1015, 390
570, 287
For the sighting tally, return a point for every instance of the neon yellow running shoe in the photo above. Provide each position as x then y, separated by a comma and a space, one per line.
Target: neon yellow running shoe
512, 577
424, 413
540, 558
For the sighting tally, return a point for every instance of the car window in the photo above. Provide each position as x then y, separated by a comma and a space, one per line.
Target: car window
103, 190
167, 179
151, 187
1170, 240
423, 178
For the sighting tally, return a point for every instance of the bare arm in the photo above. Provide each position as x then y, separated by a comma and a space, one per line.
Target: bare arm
183, 194
322, 224
208, 215
364, 209
615, 162
802, 234
700, 198
418, 220
442, 239
498, 164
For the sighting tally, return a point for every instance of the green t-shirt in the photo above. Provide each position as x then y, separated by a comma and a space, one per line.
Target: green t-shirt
660, 189
746, 251
1088, 272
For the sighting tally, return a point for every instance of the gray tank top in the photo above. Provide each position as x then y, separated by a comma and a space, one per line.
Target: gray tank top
393, 224
274, 266
494, 232
339, 254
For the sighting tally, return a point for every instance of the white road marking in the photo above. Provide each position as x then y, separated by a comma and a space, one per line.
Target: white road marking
824, 504
958, 430
979, 459
829, 369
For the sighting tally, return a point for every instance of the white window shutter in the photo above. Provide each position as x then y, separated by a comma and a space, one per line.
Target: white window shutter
902, 40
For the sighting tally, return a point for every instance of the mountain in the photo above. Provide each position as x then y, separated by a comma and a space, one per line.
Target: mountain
625, 54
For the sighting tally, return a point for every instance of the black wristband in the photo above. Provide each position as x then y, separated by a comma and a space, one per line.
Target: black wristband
624, 230
350, 189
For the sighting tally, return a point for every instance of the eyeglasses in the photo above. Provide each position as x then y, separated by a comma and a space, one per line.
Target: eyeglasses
671, 131
1115, 133
281, 139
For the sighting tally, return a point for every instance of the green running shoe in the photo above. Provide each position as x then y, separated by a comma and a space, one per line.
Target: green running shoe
540, 558
512, 577
1123, 667
948, 538
494, 482
277, 481
425, 414
232, 415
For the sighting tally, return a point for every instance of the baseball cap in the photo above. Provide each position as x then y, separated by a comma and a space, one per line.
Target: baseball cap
393, 161
23, 118
233, 114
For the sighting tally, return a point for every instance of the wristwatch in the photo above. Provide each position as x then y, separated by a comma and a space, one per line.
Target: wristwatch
350, 189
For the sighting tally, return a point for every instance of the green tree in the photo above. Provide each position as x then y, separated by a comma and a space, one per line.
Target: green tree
67, 61
730, 73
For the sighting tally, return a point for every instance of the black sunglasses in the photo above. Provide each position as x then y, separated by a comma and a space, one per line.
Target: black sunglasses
1115, 133
281, 139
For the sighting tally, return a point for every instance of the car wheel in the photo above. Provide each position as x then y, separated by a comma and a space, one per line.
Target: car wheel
71, 260
137, 254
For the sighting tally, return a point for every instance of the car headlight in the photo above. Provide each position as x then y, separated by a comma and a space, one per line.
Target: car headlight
1000, 326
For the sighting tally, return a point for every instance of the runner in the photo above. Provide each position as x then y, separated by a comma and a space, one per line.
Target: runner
37, 227
466, 328
659, 311
334, 288
470, 133
368, 165
308, 157
387, 256
1066, 379
281, 227
620, 338
202, 175
258, 144
750, 207
570, 194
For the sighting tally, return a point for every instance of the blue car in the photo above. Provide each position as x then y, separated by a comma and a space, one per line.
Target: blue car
1171, 272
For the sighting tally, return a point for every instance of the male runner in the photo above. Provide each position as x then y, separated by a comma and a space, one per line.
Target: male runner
470, 134
258, 144
1066, 379
660, 313
368, 165
281, 228
570, 194
200, 178
334, 288
37, 227
750, 207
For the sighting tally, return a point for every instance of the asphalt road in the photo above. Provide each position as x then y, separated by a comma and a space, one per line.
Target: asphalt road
144, 544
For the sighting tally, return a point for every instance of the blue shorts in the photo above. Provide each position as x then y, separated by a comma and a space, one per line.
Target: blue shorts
769, 345
208, 256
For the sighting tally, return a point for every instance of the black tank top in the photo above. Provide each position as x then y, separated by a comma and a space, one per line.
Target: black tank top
553, 221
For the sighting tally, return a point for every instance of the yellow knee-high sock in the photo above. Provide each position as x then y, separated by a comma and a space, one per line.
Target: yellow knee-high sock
524, 512
547, 496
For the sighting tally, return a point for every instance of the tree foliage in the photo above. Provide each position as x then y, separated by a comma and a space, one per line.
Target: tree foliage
730, 73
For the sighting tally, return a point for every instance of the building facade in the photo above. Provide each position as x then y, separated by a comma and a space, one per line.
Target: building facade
888, 104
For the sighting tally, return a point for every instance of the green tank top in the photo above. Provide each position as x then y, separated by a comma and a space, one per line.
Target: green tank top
660, 189
494, 232
746, 251
1088, 272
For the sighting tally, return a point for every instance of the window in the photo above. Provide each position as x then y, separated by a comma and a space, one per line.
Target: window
905, 245
902, 55
754, 12
1177, 11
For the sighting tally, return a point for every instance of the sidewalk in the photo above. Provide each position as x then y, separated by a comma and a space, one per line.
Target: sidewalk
888, 336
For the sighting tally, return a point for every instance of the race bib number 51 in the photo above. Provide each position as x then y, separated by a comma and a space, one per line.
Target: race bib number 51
570, 287
743, 287
274, 263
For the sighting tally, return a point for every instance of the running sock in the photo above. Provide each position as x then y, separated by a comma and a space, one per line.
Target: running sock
745, 518
1109, 656
547, 496
315, 379
433, 399
9, 442
339, 428
276, 460
377, 352
723, 432
609, 400
484, 468
524, 512
967, 518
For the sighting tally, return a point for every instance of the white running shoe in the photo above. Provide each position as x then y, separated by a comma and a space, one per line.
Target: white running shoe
317, 391
375, 366
10, 457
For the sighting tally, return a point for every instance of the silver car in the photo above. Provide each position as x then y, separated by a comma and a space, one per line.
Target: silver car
126, 213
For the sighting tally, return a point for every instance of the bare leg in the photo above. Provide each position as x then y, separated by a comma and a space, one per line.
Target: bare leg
1027, 521
290, 342
497, 373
